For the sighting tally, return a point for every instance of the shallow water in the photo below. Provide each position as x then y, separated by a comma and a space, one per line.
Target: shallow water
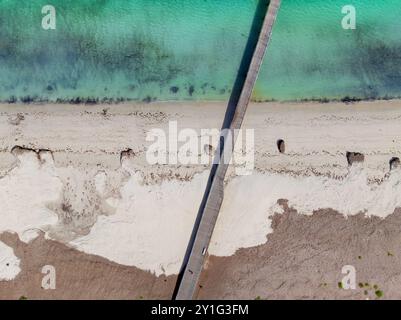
191, 49
312, 56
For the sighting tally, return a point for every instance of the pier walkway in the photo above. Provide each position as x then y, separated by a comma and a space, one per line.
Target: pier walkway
203, 229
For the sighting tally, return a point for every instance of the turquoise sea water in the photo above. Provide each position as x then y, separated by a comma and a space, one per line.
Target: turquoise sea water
191, 49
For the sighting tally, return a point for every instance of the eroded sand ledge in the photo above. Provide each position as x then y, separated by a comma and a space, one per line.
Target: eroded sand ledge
74, 179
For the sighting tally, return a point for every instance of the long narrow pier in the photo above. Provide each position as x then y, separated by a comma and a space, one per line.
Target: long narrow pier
207, 217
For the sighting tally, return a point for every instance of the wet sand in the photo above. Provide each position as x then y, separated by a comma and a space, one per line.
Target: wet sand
78, 275
302, 259
304, 256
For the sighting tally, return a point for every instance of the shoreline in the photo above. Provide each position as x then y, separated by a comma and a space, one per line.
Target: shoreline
196, 103
90, 101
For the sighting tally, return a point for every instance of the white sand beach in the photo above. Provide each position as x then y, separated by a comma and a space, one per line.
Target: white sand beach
79, 174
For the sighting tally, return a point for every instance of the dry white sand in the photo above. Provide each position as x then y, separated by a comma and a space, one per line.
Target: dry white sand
9, 263
84, 192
